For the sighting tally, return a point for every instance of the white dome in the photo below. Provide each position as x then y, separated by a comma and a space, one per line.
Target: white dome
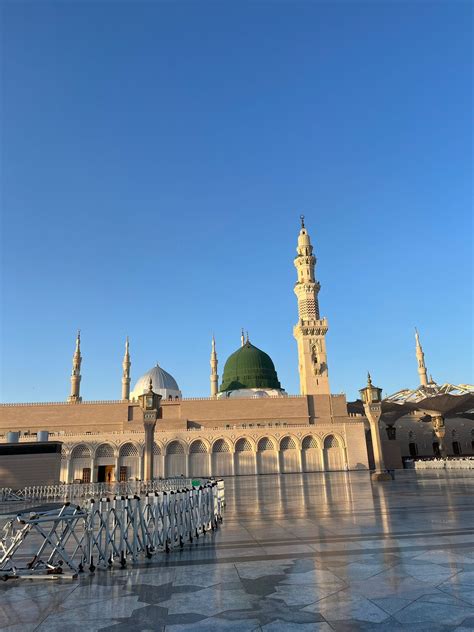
163, 383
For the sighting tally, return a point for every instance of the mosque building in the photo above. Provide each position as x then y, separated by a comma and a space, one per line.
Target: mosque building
249, 424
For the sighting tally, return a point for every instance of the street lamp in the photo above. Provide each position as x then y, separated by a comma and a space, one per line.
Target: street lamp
372, 399
150, 404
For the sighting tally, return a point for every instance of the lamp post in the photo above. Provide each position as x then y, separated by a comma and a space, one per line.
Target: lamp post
372, 400
150, 404
437, 421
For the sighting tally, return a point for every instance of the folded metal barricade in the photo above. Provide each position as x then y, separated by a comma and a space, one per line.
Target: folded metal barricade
111, 530
7, 494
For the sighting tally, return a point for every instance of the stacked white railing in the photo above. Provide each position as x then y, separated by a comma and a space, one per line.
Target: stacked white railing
463, 463
110, 531
76, 491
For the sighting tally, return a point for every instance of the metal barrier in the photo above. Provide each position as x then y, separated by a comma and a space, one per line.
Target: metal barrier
7, 494
110, 530
73, 491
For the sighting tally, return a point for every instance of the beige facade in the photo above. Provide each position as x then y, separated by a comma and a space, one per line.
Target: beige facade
313, 431
198, 437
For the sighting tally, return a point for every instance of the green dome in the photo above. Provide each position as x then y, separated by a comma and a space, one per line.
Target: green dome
249, 367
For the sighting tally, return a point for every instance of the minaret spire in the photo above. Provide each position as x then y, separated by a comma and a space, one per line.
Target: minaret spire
311, 329
76, 372
420, 357
214, 376
242, 337
126, 364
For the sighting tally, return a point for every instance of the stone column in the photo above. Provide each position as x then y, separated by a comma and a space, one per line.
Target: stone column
69, 469
148, 451
373, 412
117, 467
92, 466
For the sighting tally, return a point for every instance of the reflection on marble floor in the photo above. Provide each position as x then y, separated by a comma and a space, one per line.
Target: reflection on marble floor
312, 552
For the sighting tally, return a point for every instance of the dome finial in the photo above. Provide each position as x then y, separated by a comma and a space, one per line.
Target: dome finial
248, 338
151, 385
369, 379
302, 221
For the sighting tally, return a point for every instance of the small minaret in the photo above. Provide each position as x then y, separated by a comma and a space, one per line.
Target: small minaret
310, 330
214, 376
420, 357
76, 372
126, 364
242, 337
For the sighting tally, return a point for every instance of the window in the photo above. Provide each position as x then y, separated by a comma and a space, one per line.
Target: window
436, 450
413, 448
456, 448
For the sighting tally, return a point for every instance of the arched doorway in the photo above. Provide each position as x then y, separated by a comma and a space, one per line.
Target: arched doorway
175, 459
105, 463
129, 463
198, 459
267, 457
245, 463
311, 455
221, 459
289, 456
333, 454
80, 464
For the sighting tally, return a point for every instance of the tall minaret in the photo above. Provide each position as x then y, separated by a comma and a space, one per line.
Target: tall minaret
310, 331
126, 364
214, 376
242, 337
76, 372
420, 357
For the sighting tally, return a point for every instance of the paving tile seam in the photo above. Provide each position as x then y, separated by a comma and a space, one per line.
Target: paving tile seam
336, 539
247, 516
286, 556
49, 613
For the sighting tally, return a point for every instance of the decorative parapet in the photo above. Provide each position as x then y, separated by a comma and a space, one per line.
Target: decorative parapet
77, 403
166, 402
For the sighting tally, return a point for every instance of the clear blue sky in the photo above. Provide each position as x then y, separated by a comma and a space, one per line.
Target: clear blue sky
156, 157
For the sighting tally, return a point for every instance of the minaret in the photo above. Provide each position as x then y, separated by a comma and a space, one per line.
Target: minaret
311, 329
242, 337
76, 372
214, 376
420, 357
126, 364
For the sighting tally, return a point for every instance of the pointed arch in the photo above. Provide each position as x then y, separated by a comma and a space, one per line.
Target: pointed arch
310, 442
220, 445
288, 442
81, 451
245, 444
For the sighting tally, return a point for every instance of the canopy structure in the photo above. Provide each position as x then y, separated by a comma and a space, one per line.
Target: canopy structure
432, 390
433, 399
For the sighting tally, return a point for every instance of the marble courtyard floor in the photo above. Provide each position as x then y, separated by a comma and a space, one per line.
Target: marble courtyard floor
311, 552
